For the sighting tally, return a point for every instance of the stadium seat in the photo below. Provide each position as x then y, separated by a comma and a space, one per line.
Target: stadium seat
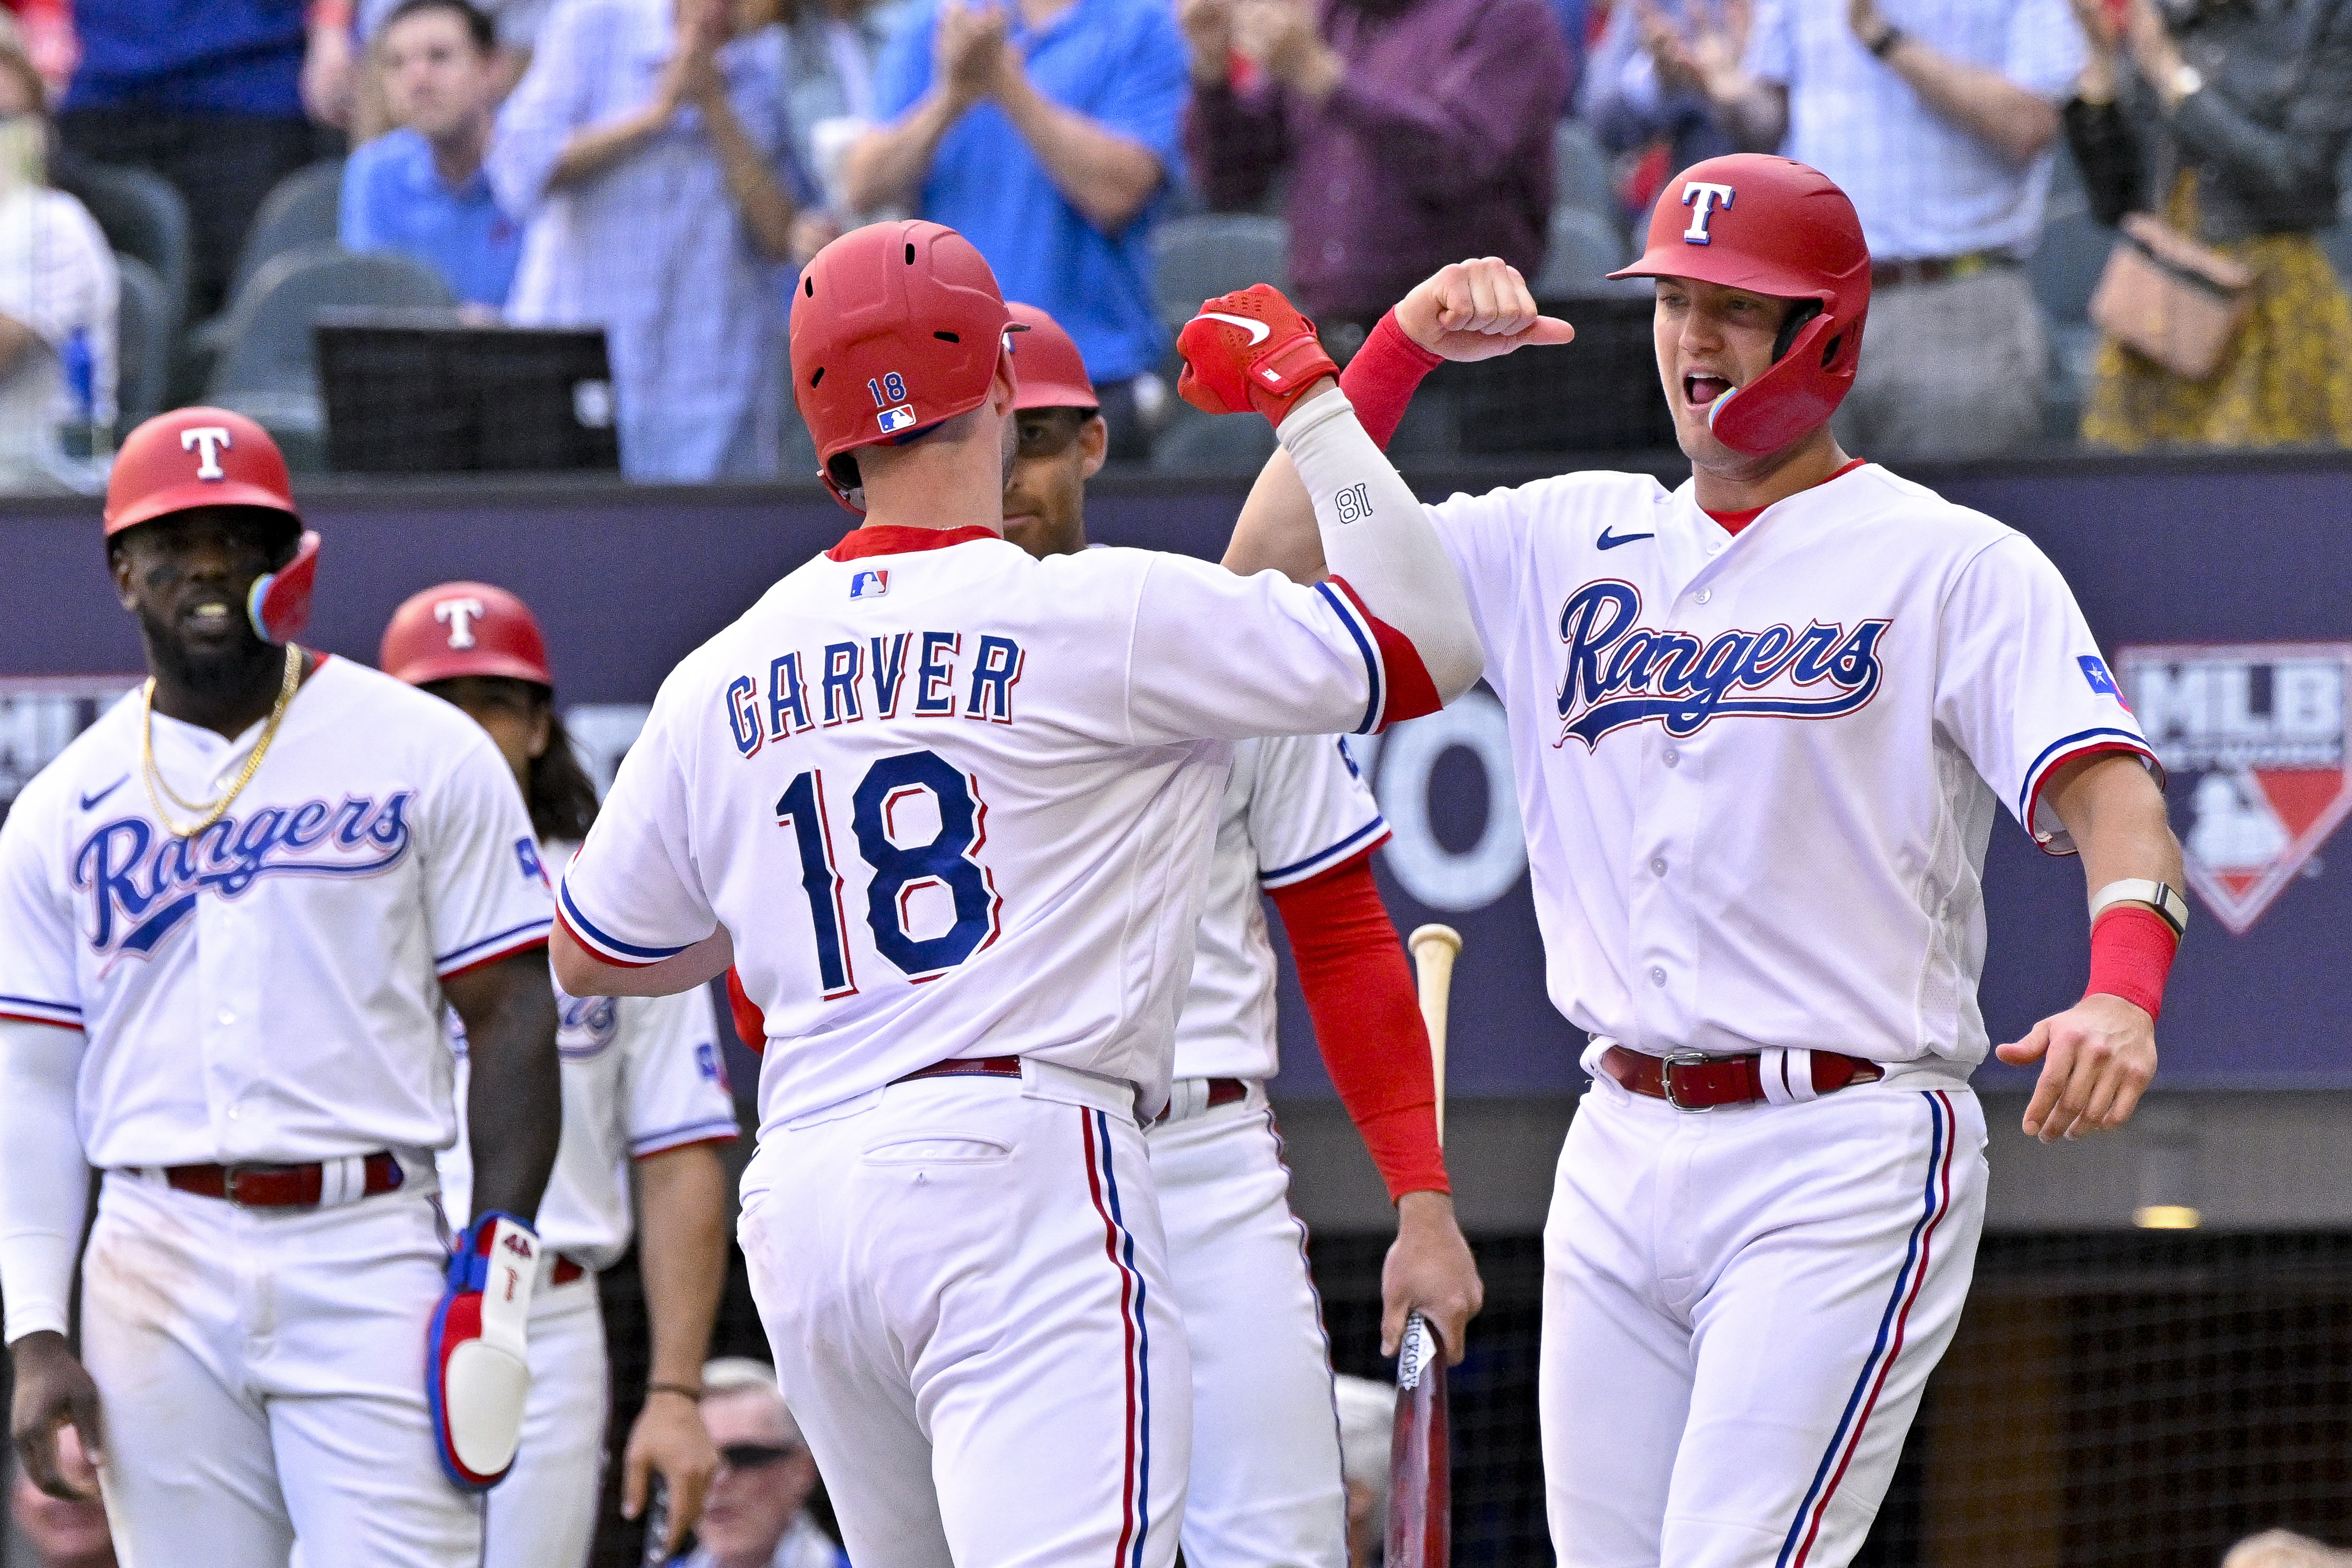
1197, 443
143, 339
142, 215
1197, 258
1580, 174
268, 365
1585, 247
300, 210
2065, 268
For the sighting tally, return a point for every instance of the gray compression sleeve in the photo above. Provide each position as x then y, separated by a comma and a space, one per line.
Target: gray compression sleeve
1376, 535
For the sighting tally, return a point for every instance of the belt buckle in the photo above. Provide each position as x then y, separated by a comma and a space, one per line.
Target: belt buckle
1666, 1079
228, 1184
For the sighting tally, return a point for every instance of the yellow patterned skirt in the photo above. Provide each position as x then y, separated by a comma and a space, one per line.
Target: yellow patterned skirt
2286, 379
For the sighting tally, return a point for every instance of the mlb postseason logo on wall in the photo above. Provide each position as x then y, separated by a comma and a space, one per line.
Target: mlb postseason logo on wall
2255, 737
40, 714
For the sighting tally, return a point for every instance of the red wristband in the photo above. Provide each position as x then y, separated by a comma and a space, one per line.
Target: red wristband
1380, 381
2131, 953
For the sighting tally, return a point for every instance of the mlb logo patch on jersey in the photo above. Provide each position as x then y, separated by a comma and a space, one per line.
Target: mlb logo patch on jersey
868, 584
2094, 670
894, 420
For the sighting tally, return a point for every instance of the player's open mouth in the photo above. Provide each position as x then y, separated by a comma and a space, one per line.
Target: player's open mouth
1700, 389
212, 615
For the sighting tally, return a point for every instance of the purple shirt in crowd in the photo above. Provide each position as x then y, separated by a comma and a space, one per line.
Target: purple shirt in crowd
1435, 146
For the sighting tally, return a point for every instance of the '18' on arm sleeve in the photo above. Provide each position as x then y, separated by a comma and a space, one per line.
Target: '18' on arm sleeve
2021, 686
1378, 541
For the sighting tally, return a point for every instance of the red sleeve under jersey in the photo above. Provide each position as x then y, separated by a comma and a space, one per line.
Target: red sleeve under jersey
1359, 993
750, 1025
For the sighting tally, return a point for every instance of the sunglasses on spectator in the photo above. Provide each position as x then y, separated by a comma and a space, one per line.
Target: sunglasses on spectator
753, 1456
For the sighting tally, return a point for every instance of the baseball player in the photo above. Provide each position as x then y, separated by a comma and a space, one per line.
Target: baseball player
1295, 820
643, 1097
947, 808
1761, 726
230, 915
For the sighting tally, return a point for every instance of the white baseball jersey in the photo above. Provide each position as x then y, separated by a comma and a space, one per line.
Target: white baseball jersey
267, 991
1758, 773
1294, 807
641, 1074
955, 801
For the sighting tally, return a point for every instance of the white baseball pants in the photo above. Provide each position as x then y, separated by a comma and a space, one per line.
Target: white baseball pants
963, 1281
262, 1376
1265, 1490
1741, 1308
543, 1515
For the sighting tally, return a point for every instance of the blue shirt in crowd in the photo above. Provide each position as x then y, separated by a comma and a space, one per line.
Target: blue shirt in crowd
1119, 62
394, 200
223, 56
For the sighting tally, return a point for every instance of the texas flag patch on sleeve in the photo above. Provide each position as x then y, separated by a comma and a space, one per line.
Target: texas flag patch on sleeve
2094, 670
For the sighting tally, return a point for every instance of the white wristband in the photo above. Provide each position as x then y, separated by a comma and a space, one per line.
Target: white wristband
2156, 895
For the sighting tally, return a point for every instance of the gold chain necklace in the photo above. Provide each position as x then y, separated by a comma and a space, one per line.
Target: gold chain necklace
153, 776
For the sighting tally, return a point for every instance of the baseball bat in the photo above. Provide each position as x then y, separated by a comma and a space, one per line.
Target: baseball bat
1421, 1464
1433, 950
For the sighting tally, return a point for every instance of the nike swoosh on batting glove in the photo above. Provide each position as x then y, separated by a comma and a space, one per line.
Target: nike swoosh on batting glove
1250, 350
476, 1374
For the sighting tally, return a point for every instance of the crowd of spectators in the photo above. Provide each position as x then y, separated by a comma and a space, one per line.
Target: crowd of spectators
660, 169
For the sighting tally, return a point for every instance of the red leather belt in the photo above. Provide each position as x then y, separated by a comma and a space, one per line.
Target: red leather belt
967, 1066
277, 1186
1704, 1083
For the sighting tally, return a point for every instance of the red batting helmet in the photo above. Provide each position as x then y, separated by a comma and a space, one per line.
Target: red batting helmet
464, 629
211, 457
1052, 371
197, 457
1777, 227
898, 328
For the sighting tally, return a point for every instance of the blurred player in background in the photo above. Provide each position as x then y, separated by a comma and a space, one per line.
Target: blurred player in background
643, 1095
994, 780
231, 913
1761, 726
1296, 821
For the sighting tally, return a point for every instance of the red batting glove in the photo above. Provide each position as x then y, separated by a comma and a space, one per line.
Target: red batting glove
1250, 350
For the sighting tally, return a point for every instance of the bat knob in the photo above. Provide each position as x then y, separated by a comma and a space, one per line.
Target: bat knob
1443, 935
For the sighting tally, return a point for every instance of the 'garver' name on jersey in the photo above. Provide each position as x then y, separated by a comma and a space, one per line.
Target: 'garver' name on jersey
143, 883
922, 675
1621, 673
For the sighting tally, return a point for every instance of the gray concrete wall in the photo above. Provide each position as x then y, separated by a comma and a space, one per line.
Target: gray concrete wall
2268, 1160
